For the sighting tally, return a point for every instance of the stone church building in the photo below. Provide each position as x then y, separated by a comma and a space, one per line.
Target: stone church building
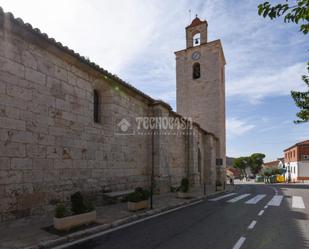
59, 116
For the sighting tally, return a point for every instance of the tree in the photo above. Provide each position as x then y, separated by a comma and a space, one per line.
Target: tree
241, 163
297, 12
256, 162
302, 102
281, 171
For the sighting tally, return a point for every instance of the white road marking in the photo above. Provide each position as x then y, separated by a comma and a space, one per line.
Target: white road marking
266, 207
239, 243
275, 201
255, 199
297, 202
238, 198
222, 197
252, 224
261, 213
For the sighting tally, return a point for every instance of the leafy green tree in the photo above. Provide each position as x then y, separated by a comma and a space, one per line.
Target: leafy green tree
267, 172
296, 11
256, 162
302, 101
241, 163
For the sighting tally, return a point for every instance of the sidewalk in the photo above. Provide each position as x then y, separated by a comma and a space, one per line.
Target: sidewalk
28, 232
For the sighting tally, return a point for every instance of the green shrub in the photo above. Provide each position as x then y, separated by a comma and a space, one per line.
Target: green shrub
184, 186
79, 205
139, 194
61, 211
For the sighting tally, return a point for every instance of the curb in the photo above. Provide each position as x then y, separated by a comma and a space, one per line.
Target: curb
104, 227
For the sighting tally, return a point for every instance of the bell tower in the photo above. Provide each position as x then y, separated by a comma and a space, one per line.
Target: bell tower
196, 33
200, 82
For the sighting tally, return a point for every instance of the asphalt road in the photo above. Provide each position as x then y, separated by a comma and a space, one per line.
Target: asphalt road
276, 217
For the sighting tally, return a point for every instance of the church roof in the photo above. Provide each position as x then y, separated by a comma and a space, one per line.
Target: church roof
196, 21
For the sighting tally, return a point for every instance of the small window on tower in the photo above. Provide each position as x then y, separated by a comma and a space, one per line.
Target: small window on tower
196, 70
96, 106
196, 39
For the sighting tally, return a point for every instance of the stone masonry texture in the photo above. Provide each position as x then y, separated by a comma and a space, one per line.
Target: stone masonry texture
50, 147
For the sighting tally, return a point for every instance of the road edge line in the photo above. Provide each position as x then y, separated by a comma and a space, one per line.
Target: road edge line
63, 242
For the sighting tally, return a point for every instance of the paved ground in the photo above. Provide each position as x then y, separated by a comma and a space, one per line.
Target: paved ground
17, 234
255, 217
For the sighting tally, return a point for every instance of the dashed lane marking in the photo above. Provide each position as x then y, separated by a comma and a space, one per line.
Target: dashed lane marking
252, 225
239, 243
261, 213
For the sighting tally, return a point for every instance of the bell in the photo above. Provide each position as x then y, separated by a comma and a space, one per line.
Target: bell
196, 41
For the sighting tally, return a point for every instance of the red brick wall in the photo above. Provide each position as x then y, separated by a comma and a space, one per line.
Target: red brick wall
295, 153
303, 150
291, 154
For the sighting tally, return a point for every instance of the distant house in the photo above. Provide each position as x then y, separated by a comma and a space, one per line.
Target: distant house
271, 165
281, 164
230, 170
296, 160
233, 172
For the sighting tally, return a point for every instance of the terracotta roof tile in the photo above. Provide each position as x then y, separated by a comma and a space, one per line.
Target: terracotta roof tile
300, 143
196, 21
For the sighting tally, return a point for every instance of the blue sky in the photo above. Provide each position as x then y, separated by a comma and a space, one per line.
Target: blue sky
136, 40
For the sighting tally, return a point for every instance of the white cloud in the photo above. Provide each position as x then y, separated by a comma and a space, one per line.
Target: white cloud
136, 40
237, 127
259, 84
110, 33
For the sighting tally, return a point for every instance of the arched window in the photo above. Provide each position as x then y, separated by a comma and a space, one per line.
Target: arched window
196, 70
96, 106
196, 39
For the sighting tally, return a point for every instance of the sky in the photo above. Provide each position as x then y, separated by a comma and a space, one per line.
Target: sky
136, 40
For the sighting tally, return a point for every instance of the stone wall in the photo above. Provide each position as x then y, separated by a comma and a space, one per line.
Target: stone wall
203, 98
50, 146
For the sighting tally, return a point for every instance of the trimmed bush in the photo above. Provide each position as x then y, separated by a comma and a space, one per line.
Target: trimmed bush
77, 202
61, 211
184, 186
138, 195
79, 205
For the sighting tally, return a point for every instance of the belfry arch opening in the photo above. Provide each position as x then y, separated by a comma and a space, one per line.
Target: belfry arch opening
196, 39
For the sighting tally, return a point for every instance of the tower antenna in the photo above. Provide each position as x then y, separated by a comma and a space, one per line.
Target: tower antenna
189, 16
